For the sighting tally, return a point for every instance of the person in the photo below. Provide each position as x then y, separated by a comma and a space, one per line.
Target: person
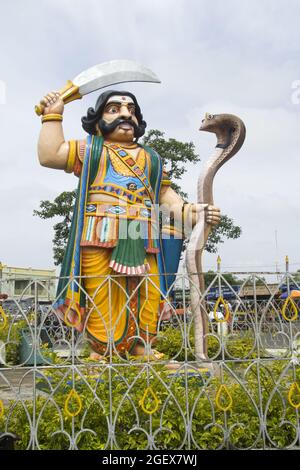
219, 317
112, 279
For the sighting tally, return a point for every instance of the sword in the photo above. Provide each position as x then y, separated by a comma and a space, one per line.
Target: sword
101, 76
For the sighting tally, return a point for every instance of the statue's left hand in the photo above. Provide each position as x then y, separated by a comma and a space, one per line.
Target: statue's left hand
212, 214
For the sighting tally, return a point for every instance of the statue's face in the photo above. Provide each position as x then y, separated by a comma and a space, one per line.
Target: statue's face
120, 108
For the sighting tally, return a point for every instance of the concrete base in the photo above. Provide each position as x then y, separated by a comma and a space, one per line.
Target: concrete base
64, 353
2, 353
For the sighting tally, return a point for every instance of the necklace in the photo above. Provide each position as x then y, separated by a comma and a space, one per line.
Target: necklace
120, 166
130, 146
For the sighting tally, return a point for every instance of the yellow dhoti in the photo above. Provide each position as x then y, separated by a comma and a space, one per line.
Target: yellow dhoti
119, 307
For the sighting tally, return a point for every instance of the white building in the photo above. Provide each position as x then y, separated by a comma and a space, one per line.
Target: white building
25, 283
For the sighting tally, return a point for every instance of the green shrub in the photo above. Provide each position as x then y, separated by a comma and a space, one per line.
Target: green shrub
11, 336
170, 342
115, 395
115, 398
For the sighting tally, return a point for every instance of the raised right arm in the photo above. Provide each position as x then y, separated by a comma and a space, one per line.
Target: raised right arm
53, 151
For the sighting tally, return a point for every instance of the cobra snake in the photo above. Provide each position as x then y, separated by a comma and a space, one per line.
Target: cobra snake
230, 132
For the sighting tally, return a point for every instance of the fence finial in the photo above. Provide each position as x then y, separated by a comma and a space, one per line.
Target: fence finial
286, 263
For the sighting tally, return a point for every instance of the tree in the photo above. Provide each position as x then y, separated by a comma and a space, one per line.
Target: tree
225, 229
62, 206
296, 276
229, 277
175, 154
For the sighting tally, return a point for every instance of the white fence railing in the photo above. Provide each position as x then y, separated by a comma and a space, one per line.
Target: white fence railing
55, 395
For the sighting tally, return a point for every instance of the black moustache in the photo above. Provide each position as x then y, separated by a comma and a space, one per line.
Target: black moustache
106, 128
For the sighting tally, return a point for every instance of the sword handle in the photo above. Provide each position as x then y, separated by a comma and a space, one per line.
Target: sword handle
68, 93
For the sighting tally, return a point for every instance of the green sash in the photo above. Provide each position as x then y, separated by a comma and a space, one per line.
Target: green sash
130, 253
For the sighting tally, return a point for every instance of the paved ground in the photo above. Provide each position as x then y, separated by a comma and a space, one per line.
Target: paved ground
17, 383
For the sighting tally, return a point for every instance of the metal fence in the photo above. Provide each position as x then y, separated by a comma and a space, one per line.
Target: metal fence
246, 395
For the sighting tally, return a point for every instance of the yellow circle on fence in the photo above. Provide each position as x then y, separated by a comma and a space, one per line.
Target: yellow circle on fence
73, 395
294, 390
148, 392
221, 301
4, 319
223, 395
72, 306
289, 301
1, 409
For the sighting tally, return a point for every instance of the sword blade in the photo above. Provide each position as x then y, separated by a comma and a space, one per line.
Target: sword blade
111, 73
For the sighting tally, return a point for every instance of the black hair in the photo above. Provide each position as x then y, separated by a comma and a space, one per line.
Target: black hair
94, 115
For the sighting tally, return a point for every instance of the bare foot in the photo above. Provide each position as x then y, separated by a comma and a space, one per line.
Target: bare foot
173, 365
97, 357
139, 351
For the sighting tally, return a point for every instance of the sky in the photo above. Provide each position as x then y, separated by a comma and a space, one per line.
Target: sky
239, 57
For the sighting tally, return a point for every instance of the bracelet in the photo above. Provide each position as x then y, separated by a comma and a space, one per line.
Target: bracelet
184, 206
186, 223
182, 209
71, 157
182, 212
52, 117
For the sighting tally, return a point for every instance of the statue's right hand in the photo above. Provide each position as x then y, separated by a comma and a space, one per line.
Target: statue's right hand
52, 103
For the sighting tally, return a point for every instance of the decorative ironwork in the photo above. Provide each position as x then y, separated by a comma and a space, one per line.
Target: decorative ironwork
246, 395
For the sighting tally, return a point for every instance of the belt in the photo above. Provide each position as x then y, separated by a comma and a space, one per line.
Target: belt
121, 211
119, 192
